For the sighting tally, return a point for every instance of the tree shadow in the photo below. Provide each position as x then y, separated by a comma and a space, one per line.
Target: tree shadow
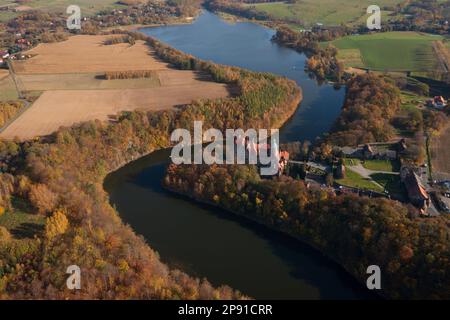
27, 230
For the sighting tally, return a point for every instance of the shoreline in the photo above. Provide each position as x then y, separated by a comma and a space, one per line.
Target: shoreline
282, 231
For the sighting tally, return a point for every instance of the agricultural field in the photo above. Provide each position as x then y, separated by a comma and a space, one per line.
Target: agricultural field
8, 89
88, 54
440, 155
351, 58
81, 81
389, 51
69, 76
327, 12
88, 7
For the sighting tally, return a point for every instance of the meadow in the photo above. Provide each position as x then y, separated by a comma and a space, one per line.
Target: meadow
389, 51
327, 12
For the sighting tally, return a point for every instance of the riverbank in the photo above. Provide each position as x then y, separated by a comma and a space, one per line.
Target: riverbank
352, 230
282, 230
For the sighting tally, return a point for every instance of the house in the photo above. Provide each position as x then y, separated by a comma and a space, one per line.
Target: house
437, 102
417, 193
4, 54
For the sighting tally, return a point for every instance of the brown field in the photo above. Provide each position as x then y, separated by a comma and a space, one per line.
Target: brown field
3, 74
87, 54
440, 155
67, 107
68, 75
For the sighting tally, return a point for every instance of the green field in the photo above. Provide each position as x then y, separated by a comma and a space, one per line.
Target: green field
389, 51
88, 7
328, 12
351, 58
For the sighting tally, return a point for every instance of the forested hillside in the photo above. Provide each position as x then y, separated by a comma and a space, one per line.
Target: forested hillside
413, 253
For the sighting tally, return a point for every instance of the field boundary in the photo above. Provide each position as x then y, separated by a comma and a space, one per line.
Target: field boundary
14, 78
442, 54
16, 116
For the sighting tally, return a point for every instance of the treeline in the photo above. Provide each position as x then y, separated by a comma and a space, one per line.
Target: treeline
371, 103
8, 110
322, 61
237, 9
413, 253
121, 39
135, 74
61, 177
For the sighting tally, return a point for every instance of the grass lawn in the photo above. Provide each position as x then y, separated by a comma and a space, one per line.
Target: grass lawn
392, 183
382, 165
351, 161
390, 51
410, 101
328, 12
20, 223
352, 179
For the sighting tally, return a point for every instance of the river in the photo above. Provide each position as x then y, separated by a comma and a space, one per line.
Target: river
204, 241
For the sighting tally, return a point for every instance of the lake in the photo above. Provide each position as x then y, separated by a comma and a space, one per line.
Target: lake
206, 242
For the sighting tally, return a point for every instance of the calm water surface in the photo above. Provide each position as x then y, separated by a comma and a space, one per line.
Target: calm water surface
204, 241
